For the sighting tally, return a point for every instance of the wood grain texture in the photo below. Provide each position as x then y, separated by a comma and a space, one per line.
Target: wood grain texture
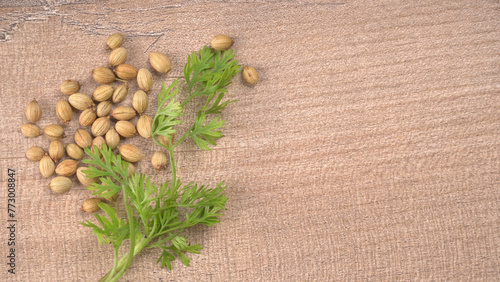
369, 150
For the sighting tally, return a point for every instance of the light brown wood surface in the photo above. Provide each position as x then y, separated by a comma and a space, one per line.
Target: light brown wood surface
369, 149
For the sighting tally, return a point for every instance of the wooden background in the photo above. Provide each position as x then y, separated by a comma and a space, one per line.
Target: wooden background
369, 150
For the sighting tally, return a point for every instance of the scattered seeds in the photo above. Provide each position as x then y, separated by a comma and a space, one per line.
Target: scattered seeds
87, 117
100, 126
82, 177
103, 75
112, 138
80, 101
91, 205
250, 75
120, 93
144, 79
46, 166
30, 130
144, 124
103, 92
117, 56
54, 131
67, 167
56, 150
103, 108
33, 111
60, 184
221, 42
123, 113
130, 153
35, 153
64, 111
83, 138
125, 128
114, 41
70, 86
159, 62
125, 71
159, 160
74, 151
140, 101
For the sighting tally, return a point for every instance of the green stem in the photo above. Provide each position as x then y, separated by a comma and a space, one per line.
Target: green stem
141, 244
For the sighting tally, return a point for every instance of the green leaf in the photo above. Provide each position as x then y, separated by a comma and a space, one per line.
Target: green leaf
206, 134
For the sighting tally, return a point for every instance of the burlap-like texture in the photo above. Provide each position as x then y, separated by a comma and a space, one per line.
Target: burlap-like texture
369, 149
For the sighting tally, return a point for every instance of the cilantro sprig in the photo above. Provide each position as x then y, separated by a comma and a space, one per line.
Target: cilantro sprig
157, 215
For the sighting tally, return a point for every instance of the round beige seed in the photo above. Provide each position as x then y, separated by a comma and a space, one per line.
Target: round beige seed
56, 150
98, 142
60, 184
144, 79
64, 111
250, 75
120, 93
112, 138
82, 177
35, 153
117, 56
100, 126
104, 108
123, 113
83, 138
54, 131
70, 86
164, 141
144, 124
125, 128
159, 62
114, 41
159, 160
221, 42
30, 130
130, 153
125, 71
103, 75
87, 117
140, 101
91, 205
33, 111
46, 166
67, 167
74, 151
103, 92
80, 101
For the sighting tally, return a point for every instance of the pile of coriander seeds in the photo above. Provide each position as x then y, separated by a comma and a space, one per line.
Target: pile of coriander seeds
97, 111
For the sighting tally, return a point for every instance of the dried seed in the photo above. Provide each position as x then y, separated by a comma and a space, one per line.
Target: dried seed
125, 128
120, 93
60, 184
159, 62
130, 153
46, 166
70, 86
140, 101
56, 150
82, 177
67, 167
91, 205
80, 101
130, 169
100, 126
114, 41
112, 138
159, 160
33, 111
144, 124
87, 117
250, 75
125, 71
35, 153
164, 141
123, 113
117, 56
54, 131
64, 111
30, 130
144, 79
83, 138
103, 92
221, 42
104, 108
97, 142
74, 151
103, 75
